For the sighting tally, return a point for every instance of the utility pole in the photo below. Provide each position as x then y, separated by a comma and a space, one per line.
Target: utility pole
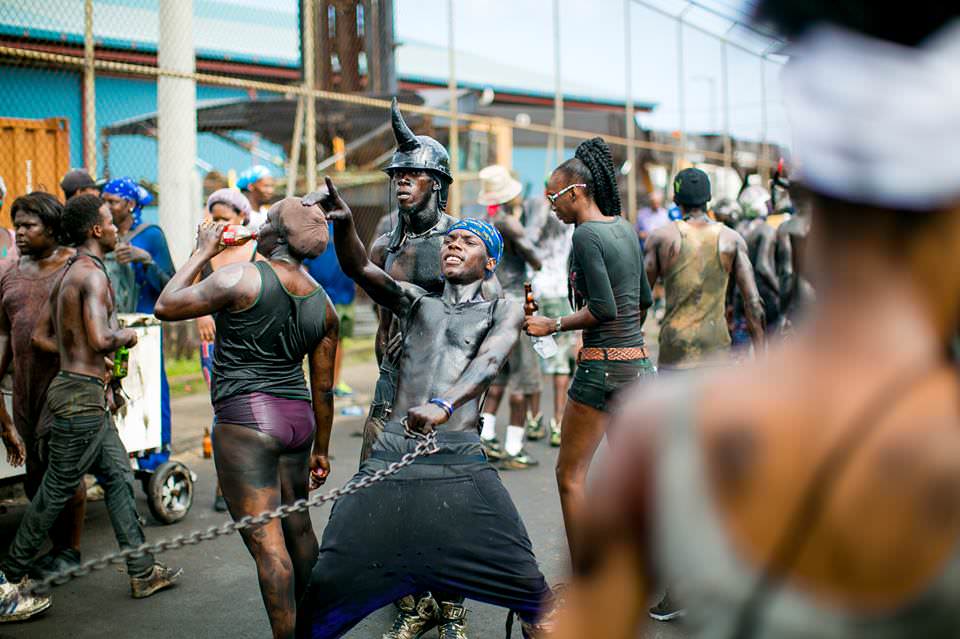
454, 204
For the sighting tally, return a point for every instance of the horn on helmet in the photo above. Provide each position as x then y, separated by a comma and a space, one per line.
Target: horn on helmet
406, 140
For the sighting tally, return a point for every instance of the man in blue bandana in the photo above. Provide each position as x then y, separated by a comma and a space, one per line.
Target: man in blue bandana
445, 523
139, 268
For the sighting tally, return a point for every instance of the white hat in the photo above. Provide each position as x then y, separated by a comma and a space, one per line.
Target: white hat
497, 186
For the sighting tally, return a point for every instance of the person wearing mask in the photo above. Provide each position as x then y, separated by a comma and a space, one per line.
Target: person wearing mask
257, 184
611, 296
811, 493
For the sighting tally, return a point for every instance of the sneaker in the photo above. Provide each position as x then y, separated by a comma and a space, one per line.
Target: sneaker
54, 563
520, 461
667, 609
16, 602
414, 617
534, 427
342, 390
554, 433
453, 620
159, 578
219, 503
492, 448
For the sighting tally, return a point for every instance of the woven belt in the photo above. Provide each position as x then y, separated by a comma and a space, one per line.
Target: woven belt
611, 354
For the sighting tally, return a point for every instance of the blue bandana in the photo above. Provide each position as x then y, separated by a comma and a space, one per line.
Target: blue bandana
485, 231
252, 175
129, 190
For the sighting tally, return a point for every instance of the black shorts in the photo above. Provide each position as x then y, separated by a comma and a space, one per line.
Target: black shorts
595, 383
448, 527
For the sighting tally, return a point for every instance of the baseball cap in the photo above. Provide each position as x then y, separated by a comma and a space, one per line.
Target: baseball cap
691, 187
75, 180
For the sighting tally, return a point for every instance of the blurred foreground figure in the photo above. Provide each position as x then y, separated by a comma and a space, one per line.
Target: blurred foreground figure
813, 493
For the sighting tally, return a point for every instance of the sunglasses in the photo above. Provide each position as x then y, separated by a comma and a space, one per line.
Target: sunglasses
556, 196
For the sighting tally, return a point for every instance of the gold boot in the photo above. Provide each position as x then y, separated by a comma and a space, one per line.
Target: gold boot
453, 620
415, 617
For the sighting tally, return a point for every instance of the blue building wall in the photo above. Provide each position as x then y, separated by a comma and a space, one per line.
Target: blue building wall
43, 93
533, 167
40, 93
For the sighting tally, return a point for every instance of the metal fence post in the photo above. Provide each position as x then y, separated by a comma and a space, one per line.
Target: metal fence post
177, 127
630, 120
558, 89
727, 141
89, 93
454, 205
309, 82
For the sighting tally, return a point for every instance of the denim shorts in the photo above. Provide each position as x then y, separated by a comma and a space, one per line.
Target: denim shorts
595, 383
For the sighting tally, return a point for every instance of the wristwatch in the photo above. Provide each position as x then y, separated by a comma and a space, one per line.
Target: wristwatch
558, 326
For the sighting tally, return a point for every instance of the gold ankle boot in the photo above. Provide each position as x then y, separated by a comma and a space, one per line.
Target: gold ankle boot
453, 620
415, 617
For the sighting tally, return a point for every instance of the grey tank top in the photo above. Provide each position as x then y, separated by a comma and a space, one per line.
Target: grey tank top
694, 552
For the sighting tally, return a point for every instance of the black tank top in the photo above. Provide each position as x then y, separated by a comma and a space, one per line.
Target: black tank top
261, 349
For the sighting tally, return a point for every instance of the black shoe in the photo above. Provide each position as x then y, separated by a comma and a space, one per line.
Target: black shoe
54, 562
667, 609
220, 504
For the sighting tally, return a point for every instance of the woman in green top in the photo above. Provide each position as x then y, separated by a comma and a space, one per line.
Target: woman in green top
612, 295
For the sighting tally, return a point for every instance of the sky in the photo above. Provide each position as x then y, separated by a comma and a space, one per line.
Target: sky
519, 33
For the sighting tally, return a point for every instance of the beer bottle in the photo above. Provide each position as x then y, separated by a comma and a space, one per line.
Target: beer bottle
236, 234
121, 360
530, 306
207, 444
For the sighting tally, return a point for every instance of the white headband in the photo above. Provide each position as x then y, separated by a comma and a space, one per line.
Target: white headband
877, 122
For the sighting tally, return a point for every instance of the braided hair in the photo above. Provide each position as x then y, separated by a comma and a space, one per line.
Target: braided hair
592, 164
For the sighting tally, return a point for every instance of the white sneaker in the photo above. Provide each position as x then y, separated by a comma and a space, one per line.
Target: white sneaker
16, 602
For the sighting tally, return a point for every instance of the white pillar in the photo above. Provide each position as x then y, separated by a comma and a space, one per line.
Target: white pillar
453, 206
558, 86
89, 93
631, 123
177, 129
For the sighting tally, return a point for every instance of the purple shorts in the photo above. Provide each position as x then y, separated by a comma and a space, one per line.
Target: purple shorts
289, 421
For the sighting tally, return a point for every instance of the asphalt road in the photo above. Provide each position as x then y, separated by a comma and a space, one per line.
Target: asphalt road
218, 596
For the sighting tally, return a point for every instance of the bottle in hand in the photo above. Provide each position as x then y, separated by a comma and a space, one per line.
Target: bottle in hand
121, 362
545, 347
236, 234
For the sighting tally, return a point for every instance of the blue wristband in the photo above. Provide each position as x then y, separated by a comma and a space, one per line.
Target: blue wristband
445, 405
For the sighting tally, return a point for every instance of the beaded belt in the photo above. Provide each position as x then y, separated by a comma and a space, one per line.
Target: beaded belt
611, 354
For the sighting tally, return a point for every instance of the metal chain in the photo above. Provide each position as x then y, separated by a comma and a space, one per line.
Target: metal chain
426, 446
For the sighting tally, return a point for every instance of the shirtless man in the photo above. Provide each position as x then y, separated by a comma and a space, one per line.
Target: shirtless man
83, 438
761, 241
24, 295
446, 523
696, 257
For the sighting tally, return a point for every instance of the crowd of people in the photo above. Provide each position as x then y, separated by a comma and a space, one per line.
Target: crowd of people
772, 473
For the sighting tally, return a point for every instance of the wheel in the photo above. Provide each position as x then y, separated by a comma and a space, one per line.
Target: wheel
170, 492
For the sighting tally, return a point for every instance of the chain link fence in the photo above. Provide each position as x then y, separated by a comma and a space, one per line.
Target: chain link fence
81, 90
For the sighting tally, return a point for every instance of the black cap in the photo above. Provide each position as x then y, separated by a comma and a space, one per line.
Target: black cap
691, 187
75, 180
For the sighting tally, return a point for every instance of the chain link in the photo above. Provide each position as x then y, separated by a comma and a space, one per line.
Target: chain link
426, 446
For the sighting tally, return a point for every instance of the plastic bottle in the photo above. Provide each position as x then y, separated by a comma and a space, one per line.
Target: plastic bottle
207, 444
545, 347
